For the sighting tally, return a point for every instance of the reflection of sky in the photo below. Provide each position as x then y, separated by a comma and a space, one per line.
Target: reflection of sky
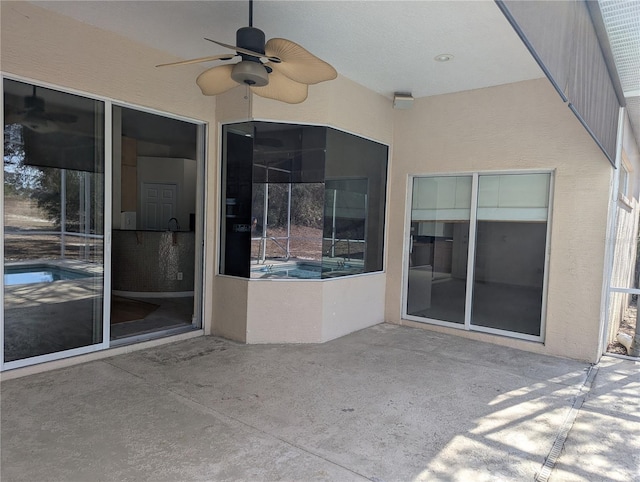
26, 176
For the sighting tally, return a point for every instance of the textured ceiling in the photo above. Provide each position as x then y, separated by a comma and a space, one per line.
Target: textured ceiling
387, 46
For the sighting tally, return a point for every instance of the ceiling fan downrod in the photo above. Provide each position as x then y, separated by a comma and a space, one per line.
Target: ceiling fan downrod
251, 71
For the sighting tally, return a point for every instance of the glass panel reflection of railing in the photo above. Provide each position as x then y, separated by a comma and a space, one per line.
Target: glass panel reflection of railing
303, 260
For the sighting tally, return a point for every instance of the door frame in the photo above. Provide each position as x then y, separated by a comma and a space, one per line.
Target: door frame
200, 261
108, 193
468, 325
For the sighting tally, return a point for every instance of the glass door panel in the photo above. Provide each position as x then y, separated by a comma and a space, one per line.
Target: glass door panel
53, 221
510, 252
439, 244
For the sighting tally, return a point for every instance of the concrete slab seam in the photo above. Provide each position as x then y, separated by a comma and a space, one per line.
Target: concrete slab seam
224, 416
221, 415
561, 437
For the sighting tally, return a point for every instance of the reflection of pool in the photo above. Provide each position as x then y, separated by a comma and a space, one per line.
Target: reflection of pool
39, 273
300, 270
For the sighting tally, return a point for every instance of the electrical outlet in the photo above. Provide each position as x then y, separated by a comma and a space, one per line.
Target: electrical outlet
180, 276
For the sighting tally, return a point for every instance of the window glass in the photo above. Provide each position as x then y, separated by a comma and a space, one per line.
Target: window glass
623, 181
301, 202
510, 252
507, 265
440, 212
53, 220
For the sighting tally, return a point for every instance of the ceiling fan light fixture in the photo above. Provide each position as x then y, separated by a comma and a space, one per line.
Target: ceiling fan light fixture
250, 73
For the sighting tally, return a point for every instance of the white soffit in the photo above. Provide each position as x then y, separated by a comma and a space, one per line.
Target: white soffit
387, 46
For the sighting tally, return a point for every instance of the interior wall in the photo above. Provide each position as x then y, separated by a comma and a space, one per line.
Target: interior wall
516, 126
510, 253
43, 46
163, 170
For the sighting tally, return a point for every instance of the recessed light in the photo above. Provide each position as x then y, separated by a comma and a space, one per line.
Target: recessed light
443, 58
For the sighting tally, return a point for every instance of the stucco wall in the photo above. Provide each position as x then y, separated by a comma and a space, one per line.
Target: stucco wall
315, 311
42, 46
523, 125
515, 126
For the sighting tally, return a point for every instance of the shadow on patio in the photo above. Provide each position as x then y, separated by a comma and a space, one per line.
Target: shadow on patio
387, 403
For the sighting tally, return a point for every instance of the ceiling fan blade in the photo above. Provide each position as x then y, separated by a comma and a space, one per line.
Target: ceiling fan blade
198, 60
240, 50
282, 88
63, 117
216, 80
297, 63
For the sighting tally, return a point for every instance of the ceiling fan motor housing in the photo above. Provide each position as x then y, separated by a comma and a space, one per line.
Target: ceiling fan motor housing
250, 38
250, 71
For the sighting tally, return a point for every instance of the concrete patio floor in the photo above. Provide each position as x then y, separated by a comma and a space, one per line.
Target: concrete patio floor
388, 403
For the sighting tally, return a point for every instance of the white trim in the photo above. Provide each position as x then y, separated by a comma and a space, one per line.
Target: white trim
610, 240
200, 226
109, 104
406, 248
507, 333
93, 96
18, 372
49, 357
107, 186
471, 255
547, 260
471, 251
631, 291
433, 321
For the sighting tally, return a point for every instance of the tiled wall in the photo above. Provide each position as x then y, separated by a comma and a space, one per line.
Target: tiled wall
151, 261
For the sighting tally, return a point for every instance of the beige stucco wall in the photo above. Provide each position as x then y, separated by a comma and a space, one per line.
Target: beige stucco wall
522, 125
515, 126
313, 311
42, 46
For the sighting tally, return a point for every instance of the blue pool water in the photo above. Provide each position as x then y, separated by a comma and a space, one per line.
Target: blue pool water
297, 271
41, 273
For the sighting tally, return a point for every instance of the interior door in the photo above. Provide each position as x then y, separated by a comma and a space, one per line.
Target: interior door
158, 205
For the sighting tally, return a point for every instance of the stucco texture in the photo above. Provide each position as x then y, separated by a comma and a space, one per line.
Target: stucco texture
516, 126
509, 127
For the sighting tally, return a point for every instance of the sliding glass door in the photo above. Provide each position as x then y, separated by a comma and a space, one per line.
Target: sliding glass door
477, 252
53, 231
510, 252
437, 274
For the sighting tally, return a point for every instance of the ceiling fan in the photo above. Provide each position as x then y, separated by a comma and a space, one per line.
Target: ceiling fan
34, 116
278, 69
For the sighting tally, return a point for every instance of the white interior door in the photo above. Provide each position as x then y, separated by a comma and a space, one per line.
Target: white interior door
158, 205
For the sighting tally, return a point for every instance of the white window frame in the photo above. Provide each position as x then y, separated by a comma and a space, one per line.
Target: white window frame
473, 219
199, 296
